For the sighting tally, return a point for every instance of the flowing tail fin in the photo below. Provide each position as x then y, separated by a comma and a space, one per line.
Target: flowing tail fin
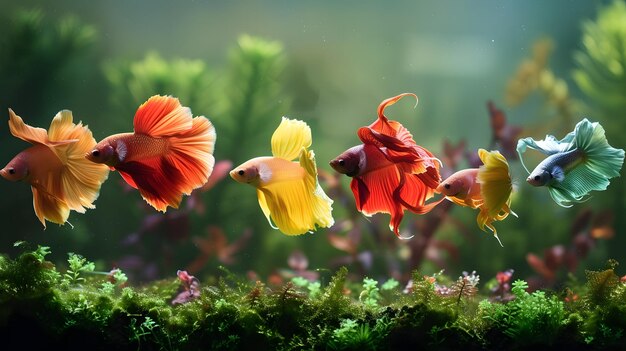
80, 178
495, 188
600, 163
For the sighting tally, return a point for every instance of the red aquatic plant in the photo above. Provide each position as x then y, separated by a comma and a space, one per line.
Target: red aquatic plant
585, 230
502, 291
504, 135
216, 245
190, 288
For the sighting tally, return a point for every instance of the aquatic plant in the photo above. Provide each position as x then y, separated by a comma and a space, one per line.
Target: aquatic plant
38, 49
601, 72
238, 314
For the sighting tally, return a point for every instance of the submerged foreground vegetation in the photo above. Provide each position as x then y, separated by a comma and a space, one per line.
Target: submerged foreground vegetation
76, 307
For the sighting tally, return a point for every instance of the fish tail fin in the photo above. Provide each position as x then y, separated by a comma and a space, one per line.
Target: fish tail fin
495, 183
80, 179
192, 154
187, 164
321, 204
600, 157
600, 163
290, 137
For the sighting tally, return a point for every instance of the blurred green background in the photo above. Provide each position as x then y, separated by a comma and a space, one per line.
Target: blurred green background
245, 64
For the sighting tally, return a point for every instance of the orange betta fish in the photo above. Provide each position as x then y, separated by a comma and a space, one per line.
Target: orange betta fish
289, 193
487, 188
169, 154
60, 177
390, 172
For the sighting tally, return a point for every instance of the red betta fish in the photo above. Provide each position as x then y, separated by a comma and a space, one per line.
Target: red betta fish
169, 154
390, 172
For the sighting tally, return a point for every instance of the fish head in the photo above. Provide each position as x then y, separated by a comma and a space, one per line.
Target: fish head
103, 152
246, 173
539, 177
453, 186
15, 170
350, 162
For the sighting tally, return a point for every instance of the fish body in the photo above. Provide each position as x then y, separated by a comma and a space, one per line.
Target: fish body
169, 154
487, 188
553, 168
390, 172
61, 179
581, 162
288, 192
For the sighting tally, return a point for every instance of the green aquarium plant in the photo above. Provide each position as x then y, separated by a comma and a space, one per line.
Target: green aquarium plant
47, 51
75, 307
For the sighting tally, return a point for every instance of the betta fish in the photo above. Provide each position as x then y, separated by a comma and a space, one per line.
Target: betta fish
60, 177
579, 163
487, 188
390, 172
289, 193
169, 154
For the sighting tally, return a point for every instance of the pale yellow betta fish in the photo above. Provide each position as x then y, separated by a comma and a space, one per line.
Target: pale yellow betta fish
487, 188
55, 166
289, 193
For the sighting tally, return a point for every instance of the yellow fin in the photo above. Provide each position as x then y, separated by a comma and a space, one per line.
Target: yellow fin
495, 182
265, 208
321, 204
290, 137
80, 178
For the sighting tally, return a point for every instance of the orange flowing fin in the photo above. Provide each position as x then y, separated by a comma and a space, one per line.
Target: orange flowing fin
191, 153
47, 205
80, 178
33, 135
374, 193
155, 179
162, 116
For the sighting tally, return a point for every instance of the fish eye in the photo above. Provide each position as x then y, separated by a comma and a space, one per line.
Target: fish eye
11, 170
95, 153
241, 172
447, 186
342, 163
537, 178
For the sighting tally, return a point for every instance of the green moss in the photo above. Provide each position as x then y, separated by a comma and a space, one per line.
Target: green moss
79, 309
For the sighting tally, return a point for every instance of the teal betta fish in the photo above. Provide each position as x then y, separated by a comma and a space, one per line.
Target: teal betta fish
579, 163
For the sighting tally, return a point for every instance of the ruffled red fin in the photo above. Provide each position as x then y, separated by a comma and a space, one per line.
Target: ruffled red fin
392, 128
162, 180
162, 116
192, 154
413, 194
374, 193
155, 180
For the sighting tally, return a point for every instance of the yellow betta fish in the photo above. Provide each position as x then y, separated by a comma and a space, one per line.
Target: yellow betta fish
55, 166
289, 193
487, 188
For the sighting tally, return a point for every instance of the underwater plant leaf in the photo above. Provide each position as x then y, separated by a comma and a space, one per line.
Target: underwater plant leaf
600, 284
